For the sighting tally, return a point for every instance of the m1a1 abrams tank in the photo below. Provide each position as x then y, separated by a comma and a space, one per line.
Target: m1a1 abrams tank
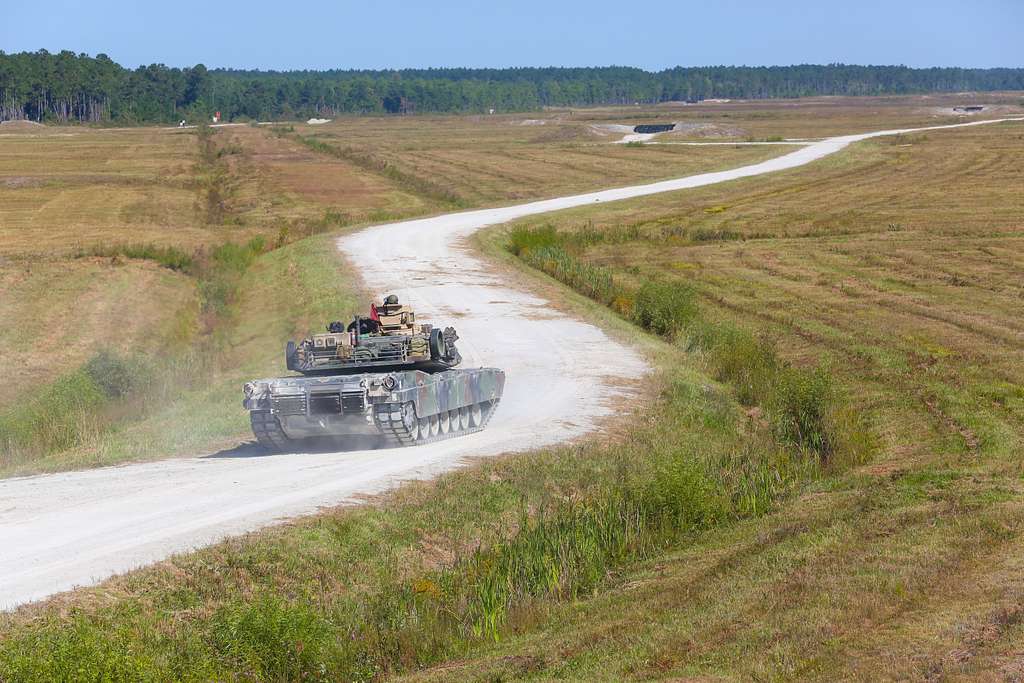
384, 374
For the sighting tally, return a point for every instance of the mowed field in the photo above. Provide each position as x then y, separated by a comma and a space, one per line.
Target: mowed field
492, 160
897, 264
63, 191
900, 258
60, 188
692, 542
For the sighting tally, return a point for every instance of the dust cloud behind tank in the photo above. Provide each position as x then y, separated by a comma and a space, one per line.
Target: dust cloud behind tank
384, 374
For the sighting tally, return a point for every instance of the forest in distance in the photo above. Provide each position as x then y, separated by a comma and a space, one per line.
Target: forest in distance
78, 88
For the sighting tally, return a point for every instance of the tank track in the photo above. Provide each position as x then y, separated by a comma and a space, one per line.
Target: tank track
397, 433
269, 434
268, 431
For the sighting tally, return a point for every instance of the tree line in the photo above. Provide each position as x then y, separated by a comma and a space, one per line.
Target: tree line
69, 87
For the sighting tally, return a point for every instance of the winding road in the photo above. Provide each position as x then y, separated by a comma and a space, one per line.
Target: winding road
72, 529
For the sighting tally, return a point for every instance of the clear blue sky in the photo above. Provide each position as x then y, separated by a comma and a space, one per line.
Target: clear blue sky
652, 34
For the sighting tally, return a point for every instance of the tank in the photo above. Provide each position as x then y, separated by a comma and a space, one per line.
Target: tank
385, 374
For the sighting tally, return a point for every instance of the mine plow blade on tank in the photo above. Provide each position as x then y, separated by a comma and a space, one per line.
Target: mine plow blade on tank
384, 374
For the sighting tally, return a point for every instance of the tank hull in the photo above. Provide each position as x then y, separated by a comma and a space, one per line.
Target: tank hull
403, 407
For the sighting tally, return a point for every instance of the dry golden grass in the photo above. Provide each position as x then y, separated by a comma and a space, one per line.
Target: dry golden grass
57, 313
68, 187
816, 116
280, 179
497, 159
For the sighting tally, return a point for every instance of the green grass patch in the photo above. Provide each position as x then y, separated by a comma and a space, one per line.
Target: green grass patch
167, 256
74, 409
664, 308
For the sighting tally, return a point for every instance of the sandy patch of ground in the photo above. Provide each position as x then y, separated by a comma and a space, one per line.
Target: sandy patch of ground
705, 130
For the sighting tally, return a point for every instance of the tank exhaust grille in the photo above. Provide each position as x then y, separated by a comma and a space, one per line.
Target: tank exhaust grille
324, 404
353, 402
288, 405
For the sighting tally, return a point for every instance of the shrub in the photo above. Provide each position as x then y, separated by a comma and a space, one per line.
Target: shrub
168, 257
590, 280
273, 639
523, 239
664, 307
73, 408
238, 257
746, 362
221, 274
115, 375
798, 405
685, 494
61, 415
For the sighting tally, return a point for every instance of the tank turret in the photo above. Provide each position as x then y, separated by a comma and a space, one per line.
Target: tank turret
388, 338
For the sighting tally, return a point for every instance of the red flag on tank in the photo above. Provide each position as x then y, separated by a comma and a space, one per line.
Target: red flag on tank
373, 313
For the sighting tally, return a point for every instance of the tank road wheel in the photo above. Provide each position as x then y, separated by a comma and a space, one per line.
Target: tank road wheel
445, 422
453, 417
424, 425
268, 432
487, 409
476, 416
464, 418
410, 424
435, 425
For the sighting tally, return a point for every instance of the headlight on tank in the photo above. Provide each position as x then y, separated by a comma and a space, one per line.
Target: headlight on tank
390, 383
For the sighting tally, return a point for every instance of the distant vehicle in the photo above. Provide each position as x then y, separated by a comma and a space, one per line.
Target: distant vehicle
385, 374
654, 128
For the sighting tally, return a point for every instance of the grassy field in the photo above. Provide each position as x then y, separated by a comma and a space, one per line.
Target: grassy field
908, 275
823, 483
503, 159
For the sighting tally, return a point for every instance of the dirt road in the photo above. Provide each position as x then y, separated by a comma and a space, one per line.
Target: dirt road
59, 531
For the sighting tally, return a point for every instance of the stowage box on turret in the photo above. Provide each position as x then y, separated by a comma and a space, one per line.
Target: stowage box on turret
383, 374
